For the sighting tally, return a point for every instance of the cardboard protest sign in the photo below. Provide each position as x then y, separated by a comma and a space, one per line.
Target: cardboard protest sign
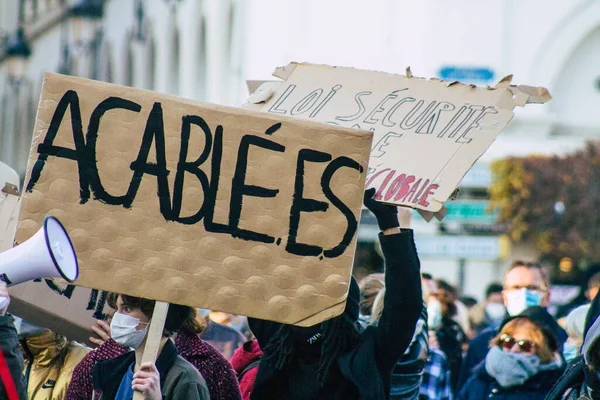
428, 133
198, 204
63, 308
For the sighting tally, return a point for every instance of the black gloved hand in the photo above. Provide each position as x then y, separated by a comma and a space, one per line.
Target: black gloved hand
387, 216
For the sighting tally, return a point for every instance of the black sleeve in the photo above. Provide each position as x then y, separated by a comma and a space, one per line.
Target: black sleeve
402, 303
14, 360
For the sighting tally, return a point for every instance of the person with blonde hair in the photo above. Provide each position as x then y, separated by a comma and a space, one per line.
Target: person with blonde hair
523, 361
369, 287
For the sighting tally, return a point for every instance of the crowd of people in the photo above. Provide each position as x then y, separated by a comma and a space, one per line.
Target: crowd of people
403, 335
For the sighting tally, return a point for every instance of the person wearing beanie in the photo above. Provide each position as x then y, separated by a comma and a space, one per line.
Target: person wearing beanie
524, 360
171, 377
334, 359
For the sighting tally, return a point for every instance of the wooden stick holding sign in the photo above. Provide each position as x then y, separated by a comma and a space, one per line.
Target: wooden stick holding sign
9, 212
154, 337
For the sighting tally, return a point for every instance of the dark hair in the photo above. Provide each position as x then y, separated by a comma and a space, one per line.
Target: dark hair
532, 265
426, 276
177, 315
194, 324
444, 285
468, 301
493, 288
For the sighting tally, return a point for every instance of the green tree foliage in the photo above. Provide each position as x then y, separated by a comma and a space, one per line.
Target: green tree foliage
553, 202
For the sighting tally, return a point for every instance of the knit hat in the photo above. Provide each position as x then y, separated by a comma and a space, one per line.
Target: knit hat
546, 322
353, 301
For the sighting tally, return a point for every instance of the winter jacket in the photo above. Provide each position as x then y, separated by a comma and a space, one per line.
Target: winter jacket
220, 378
478, 349
242, 358
482, 386
364, 372
573, 383
451, 338
408, 372
179, 380
49, 364
9, 345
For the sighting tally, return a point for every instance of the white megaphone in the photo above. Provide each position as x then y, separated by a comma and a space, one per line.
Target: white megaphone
47, 254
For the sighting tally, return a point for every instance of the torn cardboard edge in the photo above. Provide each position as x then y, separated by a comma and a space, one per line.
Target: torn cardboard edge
522, 94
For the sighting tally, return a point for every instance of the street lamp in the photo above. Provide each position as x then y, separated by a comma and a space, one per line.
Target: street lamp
17, 54
85, 18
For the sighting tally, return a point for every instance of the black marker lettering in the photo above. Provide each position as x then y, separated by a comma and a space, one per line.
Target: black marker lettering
331, 169
239, 189
184, 166
301, 204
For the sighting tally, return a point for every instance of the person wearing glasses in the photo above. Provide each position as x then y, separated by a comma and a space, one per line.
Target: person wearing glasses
523, 362
526, 284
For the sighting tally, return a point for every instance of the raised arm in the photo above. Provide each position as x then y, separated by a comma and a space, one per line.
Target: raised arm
402, 302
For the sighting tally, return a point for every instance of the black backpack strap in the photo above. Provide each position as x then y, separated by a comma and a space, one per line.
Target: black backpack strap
248, 367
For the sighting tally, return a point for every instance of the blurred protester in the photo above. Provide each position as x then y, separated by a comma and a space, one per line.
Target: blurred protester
13, 385
587, 293
581, 380
523, 362
450, 335
447, 293
526, 284
237, 322
222, 337
334, 360
436, 383
245, 362
468, 301
490, 313
574, 327
214, 368
407, 374
369, 288
171, 377
50, 359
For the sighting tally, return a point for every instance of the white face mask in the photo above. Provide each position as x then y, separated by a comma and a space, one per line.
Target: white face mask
434, 314
520, 299
495, 311
123, 330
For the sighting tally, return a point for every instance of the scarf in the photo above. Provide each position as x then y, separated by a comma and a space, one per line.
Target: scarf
510, 369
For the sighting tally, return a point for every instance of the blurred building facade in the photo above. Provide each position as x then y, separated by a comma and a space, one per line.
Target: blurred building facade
207, 49
550, 43
187, 48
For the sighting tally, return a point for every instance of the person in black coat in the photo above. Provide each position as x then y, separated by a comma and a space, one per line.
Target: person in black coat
334, 360
523, 361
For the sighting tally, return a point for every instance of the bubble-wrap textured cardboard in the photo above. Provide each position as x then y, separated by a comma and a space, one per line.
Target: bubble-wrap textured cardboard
230, 209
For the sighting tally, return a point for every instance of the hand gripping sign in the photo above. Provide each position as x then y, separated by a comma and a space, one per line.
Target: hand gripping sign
198, 204
428, 133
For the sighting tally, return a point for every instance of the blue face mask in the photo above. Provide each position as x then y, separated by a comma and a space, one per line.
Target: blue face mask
570, 351
519, 300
